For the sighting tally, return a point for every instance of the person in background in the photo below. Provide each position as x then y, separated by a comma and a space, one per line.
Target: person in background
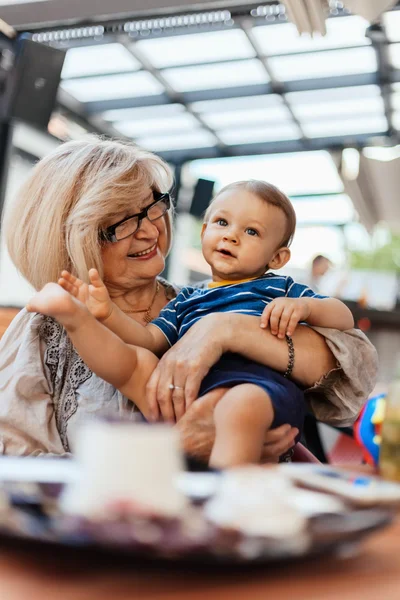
47, 391
320, 265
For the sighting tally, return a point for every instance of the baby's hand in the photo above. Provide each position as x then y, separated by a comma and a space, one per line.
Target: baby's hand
284, 314
95, 296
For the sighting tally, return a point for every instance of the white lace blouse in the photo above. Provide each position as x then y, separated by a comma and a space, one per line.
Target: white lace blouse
47, 391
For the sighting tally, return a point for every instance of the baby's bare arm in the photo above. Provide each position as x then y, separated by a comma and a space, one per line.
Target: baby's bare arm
97, 299
330, 312
126, 367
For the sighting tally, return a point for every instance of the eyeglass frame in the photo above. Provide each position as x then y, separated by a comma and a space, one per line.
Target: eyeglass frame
108, 234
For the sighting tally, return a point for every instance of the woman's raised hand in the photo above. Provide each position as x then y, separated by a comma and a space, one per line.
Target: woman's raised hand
95, 296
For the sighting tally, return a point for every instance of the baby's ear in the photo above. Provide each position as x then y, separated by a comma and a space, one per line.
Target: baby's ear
280, 258
203, 228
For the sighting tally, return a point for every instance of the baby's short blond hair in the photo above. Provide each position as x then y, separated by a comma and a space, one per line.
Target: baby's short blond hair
269, 194
70, 195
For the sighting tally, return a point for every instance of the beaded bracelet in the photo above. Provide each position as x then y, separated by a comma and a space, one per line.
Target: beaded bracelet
290, 366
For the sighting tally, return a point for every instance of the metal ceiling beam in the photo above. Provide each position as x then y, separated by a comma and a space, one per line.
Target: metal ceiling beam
240, 91
52, 13
326, 143
380, 43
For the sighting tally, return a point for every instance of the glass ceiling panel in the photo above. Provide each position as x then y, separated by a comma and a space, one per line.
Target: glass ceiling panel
339, 101
294, 172
241, 73
145, 112
113, 86
324, 64
394, 54
348, 126
396, 101
157, 126
197, 48
96, 60
287, 131
391, 21
195, 139
284, 38
220, 120
264, 101
343, 93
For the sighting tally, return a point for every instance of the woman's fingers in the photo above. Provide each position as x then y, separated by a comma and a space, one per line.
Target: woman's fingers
178, 401
277, 442
151, 394
158, 393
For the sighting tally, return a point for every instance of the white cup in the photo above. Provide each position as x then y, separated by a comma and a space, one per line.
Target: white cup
126, 462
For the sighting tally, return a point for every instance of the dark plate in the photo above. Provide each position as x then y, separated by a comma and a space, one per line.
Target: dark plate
155, 541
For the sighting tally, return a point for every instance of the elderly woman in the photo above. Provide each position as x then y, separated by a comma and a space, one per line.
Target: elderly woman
104, 204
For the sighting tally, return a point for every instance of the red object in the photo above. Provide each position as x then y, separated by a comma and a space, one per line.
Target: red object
364, 324
301, 454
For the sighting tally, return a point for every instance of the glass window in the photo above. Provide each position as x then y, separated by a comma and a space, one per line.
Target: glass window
394, 53
391, 21
197, 48
96, 60
194, 139
264, 101
365, 99
238, 118
146, 127
269, 133
144, 112
114, 86
324, 64
240, 73
342, 126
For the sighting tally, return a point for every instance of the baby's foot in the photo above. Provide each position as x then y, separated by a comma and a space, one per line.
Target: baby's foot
54, 301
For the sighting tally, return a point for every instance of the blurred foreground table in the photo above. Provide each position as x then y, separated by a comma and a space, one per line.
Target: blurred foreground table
373, 573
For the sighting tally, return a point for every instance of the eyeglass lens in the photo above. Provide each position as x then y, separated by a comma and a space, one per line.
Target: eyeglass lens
130, 226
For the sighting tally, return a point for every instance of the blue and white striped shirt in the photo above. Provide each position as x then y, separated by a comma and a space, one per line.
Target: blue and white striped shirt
249, 297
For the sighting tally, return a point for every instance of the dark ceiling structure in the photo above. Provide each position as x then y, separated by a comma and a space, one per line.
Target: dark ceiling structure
229, 81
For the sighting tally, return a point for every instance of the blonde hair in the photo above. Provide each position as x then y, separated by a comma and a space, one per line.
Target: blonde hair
269, 194
71, 193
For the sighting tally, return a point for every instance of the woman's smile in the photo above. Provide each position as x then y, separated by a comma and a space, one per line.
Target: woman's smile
145, 254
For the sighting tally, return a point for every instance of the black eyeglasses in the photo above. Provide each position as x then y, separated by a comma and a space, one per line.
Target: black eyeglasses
128, 226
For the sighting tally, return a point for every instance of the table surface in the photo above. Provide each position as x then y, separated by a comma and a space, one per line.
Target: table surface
373, 573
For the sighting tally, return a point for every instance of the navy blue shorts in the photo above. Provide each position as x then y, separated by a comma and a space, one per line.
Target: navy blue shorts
286, 397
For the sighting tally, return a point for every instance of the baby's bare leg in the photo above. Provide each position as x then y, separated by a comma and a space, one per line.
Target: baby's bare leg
242, 416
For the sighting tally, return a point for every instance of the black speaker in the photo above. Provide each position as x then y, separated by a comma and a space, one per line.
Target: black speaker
30, 88
201, 197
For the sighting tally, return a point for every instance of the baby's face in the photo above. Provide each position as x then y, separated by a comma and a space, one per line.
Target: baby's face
242, 235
